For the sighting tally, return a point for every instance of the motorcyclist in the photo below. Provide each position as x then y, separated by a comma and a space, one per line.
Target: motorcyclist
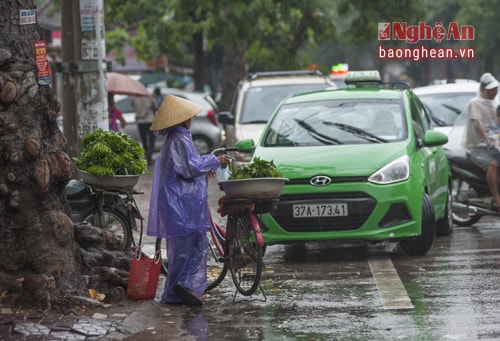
478, 142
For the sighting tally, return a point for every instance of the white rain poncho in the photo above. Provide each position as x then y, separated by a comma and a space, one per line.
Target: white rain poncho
463, 135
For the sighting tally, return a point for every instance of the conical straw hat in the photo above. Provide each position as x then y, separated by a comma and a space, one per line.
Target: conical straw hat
174, 110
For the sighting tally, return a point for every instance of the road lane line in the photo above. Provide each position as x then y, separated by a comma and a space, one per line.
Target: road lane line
391, 290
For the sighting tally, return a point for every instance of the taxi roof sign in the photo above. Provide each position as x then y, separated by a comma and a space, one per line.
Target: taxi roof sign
363, 77
339, 71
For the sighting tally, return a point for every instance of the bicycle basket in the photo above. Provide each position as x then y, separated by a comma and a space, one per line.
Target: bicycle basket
144, 274
253, 188
110, 182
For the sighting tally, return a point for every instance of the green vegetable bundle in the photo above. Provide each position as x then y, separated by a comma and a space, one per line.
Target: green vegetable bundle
109, 153
257, 169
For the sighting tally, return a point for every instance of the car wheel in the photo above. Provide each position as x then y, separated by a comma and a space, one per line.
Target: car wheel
444, 226
203, 144
423, 243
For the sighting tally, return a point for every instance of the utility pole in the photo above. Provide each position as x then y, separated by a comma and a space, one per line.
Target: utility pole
84, 88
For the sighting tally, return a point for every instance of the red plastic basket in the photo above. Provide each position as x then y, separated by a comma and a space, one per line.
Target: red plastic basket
144, 274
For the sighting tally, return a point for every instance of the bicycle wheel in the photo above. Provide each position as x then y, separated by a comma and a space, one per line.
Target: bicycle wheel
115, 226
245, 256
216, 267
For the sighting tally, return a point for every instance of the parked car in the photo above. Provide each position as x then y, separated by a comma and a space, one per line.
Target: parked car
258, 95
363, 165
205, 129
446, 101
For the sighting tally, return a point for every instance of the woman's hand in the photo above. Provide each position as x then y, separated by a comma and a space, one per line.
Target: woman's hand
224, 160
211, 174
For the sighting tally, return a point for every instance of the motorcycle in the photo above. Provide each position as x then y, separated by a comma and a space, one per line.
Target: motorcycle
471, 196
114, 210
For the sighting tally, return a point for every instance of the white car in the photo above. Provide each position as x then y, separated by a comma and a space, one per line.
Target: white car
258, 95
446, 101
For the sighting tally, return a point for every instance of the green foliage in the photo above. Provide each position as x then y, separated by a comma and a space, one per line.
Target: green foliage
272, 29
483, 15
258, 168
115, 41
365, 15
109, 153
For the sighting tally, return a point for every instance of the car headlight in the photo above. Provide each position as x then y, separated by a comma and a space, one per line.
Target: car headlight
397, 170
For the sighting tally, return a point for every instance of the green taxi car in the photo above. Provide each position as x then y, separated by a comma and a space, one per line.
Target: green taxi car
363, 164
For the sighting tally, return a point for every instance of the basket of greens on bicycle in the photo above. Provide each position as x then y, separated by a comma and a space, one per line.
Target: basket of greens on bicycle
257, 180
108, 168
250, 189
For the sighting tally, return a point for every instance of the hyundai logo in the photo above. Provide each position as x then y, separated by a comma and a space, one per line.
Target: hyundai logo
320, 180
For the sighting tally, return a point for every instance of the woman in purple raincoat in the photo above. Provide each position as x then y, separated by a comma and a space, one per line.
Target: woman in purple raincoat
179, 207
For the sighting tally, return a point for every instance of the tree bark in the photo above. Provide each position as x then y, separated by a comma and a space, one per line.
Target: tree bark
36, 234
199, 62
233, 69
298, 36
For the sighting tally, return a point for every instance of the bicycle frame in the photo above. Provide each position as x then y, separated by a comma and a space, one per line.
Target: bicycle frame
218, 234
244, 206
123, 201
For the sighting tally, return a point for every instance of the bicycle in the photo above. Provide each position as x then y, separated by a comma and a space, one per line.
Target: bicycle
240, 247
112, 209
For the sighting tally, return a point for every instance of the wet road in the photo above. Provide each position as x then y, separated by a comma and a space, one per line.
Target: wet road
327, 291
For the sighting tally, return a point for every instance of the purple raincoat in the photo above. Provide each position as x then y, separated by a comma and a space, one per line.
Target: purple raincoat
179, 210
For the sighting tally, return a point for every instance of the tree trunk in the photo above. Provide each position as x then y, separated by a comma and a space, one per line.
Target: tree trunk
36, 234
199, 62
233, 69
298, 36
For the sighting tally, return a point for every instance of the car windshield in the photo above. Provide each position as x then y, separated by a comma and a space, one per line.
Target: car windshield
445, 108
337, 122
260, 102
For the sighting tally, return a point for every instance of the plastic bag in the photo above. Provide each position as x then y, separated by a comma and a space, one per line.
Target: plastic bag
223, 174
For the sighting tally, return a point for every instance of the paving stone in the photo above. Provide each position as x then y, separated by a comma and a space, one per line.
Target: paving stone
91, 327
31, 328
67, 336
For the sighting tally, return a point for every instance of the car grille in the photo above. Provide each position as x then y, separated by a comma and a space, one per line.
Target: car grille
360, 207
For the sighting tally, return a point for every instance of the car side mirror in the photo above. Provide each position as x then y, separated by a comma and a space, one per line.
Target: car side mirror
225, 117
434, 138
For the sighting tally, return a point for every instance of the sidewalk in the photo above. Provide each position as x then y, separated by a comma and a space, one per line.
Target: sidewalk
144, 186
124, 320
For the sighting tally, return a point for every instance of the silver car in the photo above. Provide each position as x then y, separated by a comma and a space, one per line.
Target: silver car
205, 129
446, 101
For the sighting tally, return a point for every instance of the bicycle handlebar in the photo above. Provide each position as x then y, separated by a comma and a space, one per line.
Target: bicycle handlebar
224, 149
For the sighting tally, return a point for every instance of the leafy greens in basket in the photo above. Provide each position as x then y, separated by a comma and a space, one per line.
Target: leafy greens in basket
109, 153
258, 168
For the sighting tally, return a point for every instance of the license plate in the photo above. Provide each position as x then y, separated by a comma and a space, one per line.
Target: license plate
320, 210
